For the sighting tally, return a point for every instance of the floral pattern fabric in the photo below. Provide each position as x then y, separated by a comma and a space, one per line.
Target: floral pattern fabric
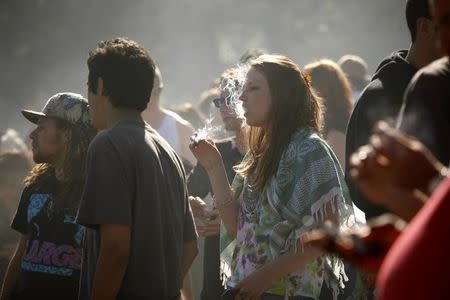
253, 242
271, 222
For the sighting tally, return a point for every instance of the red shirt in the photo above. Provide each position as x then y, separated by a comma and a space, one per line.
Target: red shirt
418, 264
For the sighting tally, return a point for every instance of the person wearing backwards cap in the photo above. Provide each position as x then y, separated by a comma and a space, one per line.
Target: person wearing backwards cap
47, 260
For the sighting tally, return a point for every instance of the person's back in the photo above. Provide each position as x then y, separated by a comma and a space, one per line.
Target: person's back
423, 245
154, 194
141, 239
382, 98
426, 108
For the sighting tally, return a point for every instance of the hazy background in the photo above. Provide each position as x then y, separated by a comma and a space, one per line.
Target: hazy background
44, 43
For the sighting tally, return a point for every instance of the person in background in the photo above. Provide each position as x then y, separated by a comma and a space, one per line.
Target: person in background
331, 84
382, 170
206, 105
426, 106
14, 166
191, 114
355, 68
382, 98
174, 129
47, 261
232, 151
251, 54
10, 141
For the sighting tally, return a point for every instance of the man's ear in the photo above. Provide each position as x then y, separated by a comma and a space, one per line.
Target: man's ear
425, 26
100, 87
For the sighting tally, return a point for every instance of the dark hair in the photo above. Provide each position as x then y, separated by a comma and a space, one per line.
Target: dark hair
250, 54
73, 166
294, 106
206, 99
416, 9
127, 71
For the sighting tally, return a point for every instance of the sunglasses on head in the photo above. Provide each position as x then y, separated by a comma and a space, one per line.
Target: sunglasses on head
219, 102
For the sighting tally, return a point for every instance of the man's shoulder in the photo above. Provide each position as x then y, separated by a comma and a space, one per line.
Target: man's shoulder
178, 119
117, 136
101, 140
439, 67
434, 73
371, 93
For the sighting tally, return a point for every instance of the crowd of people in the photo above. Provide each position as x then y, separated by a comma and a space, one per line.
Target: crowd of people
285, 182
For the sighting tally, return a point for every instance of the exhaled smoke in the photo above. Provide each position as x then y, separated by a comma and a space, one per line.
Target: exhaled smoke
209, 131
230, 87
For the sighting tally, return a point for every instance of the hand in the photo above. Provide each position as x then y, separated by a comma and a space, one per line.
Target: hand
376, 181
252, 287
211, 225
206, 153
365, 247
388, 159
198, 206
209, 220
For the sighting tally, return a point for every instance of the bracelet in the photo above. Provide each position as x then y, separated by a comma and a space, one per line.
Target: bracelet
223, 204
437, 180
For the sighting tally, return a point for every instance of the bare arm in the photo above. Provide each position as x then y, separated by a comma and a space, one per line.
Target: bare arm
186, 291
210, 158
336, 139
112, 261
13, 268
186, 131
190, 251
227, 206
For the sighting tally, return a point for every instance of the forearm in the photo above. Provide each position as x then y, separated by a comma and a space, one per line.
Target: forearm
186, 291
109, 274
228, 207
112, 261
190, 251
289, 262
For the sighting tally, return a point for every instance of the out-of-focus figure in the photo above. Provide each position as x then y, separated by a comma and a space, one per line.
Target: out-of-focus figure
331, 84
355, 68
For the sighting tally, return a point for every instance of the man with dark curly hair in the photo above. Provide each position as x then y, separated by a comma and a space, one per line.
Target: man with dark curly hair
141, 239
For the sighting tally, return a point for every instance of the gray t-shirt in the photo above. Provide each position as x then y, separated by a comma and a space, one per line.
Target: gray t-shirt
134, 178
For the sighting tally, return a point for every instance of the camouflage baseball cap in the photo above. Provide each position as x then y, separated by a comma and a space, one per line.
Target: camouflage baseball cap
70, 107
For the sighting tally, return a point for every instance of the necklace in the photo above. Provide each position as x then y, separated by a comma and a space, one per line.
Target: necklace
251, 203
